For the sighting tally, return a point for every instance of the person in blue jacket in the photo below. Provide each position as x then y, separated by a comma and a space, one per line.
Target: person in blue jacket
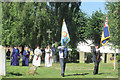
26, 54
15, 56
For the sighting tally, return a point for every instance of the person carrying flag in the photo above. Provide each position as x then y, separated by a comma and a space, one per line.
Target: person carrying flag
63, 48
96, 51
96, 58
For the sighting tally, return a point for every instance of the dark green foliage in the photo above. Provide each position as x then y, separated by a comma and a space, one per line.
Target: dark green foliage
27, 23
113, 10
118, 57
94, 28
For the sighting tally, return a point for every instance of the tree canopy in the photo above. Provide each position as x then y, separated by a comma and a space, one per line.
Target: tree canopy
113, 13
26, 23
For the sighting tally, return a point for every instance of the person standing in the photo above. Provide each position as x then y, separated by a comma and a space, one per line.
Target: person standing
31, 55
26, 54
48, 57
37, 57
8, 53
62, 58
96, 58
15, 56
54, 53
65, 39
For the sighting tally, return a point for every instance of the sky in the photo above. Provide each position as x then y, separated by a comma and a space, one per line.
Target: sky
89, 7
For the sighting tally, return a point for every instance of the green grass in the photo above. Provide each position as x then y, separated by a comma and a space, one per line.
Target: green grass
73, 70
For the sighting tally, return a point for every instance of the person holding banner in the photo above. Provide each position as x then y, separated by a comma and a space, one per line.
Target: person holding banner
104, 40
62, 58
96, 58
37, 57
65, 39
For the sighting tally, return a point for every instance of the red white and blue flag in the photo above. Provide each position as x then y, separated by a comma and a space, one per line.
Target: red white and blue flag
106, 33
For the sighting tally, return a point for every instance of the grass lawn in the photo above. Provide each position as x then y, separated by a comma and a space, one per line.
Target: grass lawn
73, 70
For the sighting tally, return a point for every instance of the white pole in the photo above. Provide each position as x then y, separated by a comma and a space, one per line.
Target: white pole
114, 59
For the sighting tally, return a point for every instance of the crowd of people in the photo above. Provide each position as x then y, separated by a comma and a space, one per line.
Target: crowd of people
50, 56
49, 59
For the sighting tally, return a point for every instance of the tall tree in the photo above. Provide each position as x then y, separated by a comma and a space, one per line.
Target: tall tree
94, 28
27, 23
23, 24
113, 12
74, 17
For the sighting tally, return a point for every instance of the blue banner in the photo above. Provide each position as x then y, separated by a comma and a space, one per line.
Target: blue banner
106, 33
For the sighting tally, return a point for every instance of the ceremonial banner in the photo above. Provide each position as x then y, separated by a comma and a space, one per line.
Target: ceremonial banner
106, 33
64, 34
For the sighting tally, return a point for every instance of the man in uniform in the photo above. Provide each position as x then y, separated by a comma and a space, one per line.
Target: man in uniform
96, 58
62, 58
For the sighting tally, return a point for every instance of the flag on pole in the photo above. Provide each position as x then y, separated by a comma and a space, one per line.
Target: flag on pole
64, 34
106, 33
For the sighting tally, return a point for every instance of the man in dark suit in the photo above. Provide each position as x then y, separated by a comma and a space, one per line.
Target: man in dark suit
96, 58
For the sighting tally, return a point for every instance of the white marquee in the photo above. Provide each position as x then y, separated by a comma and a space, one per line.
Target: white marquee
86, 47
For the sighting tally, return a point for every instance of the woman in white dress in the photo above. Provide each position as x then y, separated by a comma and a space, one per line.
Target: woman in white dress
48, 57
37, 57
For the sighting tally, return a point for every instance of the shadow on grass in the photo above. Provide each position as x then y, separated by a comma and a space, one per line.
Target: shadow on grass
16, 74
8, 61
103, 73
77, 74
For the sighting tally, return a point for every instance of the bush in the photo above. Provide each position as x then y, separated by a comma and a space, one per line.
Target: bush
118, 57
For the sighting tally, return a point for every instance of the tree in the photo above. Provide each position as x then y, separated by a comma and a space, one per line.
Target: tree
94, 28
23, 24
74, 17
27, 23
113, 12
11, 23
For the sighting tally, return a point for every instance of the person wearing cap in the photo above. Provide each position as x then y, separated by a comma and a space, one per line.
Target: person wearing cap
96, 58
26, 54
15, 56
